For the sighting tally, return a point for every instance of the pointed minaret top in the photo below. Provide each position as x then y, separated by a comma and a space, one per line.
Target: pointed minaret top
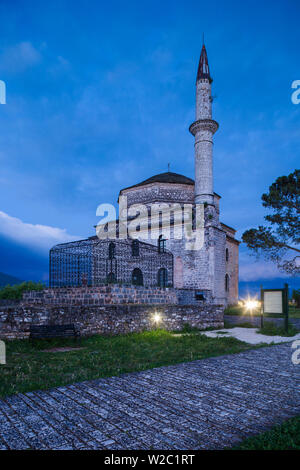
203, 69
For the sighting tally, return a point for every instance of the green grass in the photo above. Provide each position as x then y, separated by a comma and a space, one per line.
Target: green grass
243, 324
282, 437
294, 312
29, 368
271, 329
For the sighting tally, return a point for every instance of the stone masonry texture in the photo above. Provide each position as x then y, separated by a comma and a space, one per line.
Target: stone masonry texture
205, 269
100, 295
108, 319
208, 404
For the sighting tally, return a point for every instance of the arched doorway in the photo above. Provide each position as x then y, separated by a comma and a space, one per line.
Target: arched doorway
137, 277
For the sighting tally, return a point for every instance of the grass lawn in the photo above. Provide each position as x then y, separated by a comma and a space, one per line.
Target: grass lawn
270, 329
29, 368
294, 312
282, 437
243, 324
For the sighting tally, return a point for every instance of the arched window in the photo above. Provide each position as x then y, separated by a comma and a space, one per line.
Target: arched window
111, 250
227, 254
226, 283
111, 277
137, 277
135, 248
162, 277
161, 243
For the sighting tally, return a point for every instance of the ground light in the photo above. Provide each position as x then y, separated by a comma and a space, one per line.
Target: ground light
156, 318
251, 304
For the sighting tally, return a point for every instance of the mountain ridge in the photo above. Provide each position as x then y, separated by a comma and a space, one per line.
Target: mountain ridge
8, 279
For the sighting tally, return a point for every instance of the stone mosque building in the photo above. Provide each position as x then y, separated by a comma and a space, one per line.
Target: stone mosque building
206, 274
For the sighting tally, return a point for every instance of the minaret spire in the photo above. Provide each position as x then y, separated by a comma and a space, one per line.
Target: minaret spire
203, 129
203, 68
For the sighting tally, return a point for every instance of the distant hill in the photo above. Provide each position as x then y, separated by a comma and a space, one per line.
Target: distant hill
252, 288
7, 279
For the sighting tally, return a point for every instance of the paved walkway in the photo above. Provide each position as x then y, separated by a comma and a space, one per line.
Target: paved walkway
250, 335
207, 404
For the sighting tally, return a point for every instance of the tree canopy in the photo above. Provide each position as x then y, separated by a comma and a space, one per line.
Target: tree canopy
279, 239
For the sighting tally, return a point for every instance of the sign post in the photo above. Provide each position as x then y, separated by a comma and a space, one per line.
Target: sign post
275, 301
286, 306
261, 307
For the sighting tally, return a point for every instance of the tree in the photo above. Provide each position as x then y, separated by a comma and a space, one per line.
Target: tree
281, 235
296, 296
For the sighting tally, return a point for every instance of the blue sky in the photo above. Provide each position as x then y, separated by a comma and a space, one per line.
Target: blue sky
100, 96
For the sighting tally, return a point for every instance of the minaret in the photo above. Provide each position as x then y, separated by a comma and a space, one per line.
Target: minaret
203, 129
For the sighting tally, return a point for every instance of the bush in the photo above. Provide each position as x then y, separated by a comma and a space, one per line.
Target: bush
187, 328
15, 292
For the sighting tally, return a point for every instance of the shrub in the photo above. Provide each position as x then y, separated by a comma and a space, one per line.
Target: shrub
15, 292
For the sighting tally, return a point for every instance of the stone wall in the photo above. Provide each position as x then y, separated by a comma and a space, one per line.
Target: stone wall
232, 269
100, 295
109, 319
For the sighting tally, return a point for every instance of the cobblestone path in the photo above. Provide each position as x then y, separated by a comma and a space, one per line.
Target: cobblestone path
206, 404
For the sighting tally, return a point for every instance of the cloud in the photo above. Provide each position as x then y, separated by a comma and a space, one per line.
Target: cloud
19, 57
61, 66
40, 237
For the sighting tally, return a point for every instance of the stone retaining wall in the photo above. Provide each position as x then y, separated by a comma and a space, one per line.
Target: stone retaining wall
101, 295
109, 319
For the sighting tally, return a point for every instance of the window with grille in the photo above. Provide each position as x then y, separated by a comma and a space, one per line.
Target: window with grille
137, 277
162, 277
135, 248
226, 282
111, 250
161, 244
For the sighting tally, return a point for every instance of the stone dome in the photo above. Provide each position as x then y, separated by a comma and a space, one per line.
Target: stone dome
168, 177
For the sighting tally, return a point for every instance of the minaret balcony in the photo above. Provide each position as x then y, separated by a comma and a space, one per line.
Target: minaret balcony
204, 125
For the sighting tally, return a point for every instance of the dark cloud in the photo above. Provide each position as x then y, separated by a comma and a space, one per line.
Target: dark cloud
22, 262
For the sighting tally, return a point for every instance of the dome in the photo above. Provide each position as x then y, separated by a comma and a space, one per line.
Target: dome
168, 177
